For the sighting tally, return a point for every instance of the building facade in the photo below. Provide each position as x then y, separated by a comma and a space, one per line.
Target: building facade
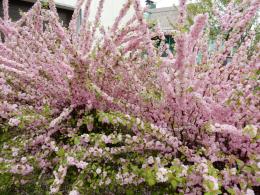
111, 11
66, 7
166, 18
18, 6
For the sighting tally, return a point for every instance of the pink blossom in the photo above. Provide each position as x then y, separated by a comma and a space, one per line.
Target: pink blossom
14, 122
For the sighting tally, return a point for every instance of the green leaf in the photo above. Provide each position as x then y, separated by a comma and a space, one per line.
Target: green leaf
151, 181
5, 181
149, 177
210, 184
209, 193
189, 90
129, 192
240, 163
258, 180
231, 191
248, 169
76, 140
46, 111
174, 184
61, 152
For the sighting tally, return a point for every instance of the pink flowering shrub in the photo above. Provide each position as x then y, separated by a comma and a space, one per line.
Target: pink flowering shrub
91, 110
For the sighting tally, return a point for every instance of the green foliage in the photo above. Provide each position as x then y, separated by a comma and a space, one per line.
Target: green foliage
207, 6
149, 176
6, 182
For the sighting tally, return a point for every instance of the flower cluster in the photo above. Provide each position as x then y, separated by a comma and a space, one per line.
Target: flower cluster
93, 110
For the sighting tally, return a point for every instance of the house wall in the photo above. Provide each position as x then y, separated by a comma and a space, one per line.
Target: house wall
165, 16
111, 10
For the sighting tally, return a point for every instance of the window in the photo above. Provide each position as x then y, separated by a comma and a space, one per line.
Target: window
16, 6
168, 40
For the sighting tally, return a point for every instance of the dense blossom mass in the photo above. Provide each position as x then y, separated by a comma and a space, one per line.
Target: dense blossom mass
90, 110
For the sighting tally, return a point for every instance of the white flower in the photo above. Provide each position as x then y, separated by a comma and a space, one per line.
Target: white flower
233, 171
150, 160
226, 128
211, 128
53, 190
53, 145
15, 151
138, 121
105, 120
162, 131
184, 170
101, 183
135, 138
110, 99
5, 146
161, 174
106, 139
98, 171
74, 192
250, 192
258, 165
119, 137
70, 160
14, 122
158, 160
108, 181
62, 169
204, 167
104, 174
142, 125
119, 176
82, 165
56, 149
85, 138
128, 116
100, 150
23, 159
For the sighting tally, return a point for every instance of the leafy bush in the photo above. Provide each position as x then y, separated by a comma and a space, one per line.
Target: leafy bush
91, 110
